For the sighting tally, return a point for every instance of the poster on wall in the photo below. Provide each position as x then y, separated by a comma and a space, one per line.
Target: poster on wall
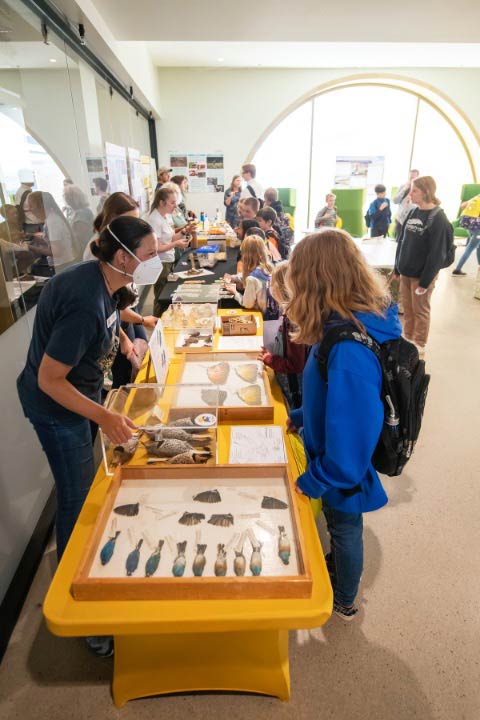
117, 168
146, 162
96, 168
359, 171
136, 177
205, 171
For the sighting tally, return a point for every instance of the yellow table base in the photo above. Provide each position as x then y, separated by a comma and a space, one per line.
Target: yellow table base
255, 662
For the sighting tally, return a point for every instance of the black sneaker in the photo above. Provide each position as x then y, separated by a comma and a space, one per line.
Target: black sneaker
100, 645
459, 273
346, 613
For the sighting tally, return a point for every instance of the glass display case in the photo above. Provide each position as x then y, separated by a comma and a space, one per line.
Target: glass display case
241, 380
196, 533
171, 430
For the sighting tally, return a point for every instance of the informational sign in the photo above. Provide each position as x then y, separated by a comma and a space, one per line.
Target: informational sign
96, 168
205, 171
117, 168
148, 189
135, 177
158, 353
359, 171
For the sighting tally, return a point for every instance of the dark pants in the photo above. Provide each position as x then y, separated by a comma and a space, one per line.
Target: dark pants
121, 367
346, 551
68, 446
158, 287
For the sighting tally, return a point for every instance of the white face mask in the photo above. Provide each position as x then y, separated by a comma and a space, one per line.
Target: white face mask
147, 272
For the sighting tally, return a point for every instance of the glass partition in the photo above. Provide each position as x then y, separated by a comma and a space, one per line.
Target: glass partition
63, 134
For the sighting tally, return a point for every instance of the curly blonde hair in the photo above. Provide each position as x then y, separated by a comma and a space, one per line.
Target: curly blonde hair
328, 273
254, 254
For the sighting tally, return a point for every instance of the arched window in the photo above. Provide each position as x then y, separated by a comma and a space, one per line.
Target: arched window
394, 119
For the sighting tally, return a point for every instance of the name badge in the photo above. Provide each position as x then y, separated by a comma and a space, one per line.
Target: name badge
112, 319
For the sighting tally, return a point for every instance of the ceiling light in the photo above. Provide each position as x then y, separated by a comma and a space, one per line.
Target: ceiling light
219, 59
52, 60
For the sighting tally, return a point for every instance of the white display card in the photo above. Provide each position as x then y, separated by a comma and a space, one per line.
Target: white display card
158, 353
257, 444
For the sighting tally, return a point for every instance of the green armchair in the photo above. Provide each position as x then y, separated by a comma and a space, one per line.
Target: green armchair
288, 198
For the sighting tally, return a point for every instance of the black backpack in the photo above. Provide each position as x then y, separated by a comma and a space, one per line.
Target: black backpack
404, 393
254, 194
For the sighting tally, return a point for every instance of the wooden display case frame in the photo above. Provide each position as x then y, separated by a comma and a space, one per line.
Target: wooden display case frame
238, 325
193, 588
237, 413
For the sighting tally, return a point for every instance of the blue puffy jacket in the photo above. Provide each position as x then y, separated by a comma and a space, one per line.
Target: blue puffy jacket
342, 422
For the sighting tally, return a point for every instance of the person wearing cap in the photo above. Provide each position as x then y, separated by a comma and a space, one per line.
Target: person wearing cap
30, 222
163, 176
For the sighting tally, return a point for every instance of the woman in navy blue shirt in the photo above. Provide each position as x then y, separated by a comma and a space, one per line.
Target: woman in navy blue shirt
74, 341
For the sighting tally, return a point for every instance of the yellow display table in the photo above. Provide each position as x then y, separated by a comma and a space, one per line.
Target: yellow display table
191, 645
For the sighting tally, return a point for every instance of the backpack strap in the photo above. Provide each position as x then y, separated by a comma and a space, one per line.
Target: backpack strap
341, 333
251, 191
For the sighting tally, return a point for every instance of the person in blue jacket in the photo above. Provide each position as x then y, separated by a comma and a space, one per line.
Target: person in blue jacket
330, 283
379, 213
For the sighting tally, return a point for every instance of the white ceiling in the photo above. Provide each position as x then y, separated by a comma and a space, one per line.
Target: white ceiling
311, 55
286, 21
32, 55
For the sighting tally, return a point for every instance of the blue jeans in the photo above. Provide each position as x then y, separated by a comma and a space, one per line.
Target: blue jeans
346, 548
473, 244
68, 446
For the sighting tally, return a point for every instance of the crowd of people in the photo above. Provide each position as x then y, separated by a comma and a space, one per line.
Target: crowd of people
86, 324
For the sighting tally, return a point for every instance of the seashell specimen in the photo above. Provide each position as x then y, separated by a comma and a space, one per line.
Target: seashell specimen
248, 372
283, 545
106, 552
239, 564
271, 503
221, 561
214, 397
218, 374
133, 559
251, 395
224, 520
124, 453
208, 496
153, 561
189, 518
180, 561
199, 561
166, 448
130, 510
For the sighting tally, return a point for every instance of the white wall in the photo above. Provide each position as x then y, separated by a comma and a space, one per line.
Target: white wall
206, 109
25, 478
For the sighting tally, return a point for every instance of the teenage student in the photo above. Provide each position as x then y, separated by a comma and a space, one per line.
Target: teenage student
267, 218
379, 213
287, 358
421, 253
160, 218
330, 283
255, 279
327, 216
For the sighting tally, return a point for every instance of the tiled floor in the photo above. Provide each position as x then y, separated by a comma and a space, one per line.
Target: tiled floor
414, 650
